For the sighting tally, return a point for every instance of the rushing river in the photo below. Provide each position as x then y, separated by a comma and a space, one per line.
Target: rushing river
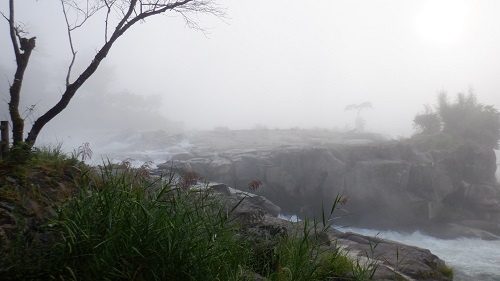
471, 259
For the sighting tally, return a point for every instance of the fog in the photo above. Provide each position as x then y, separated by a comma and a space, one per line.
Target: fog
267, 64
276, 64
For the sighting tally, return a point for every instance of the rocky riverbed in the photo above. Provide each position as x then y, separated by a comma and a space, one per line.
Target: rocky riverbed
257, 215
392, 260
390, 184
452, 193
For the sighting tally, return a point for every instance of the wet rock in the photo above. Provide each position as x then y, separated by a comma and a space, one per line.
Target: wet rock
394, 261
390, 185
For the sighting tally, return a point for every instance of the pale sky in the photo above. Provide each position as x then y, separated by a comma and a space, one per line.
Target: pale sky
278, 63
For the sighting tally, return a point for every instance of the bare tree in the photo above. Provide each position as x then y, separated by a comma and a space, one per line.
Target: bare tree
76, 13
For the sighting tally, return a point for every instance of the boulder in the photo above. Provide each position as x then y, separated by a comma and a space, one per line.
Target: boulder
393, 261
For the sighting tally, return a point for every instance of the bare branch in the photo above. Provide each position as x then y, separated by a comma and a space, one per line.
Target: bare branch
4, 16
12, 29
126, 15
108, 4
84, 13
70, 38
131, 11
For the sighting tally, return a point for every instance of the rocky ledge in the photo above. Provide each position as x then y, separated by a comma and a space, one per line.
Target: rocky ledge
258, 217
394, 185
393, 260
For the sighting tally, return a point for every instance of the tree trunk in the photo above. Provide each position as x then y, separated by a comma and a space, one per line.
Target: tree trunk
125, 23
71, 89
70, 92
27, 45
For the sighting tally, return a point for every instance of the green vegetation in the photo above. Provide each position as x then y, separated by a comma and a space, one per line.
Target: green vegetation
446, 270
438, 273
129, 229
74, 222
465, 120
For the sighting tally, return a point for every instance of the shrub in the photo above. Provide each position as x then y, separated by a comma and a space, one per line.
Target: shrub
427, 122
20, 153
465, 119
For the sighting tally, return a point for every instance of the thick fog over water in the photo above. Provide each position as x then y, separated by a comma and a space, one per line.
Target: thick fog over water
274, 64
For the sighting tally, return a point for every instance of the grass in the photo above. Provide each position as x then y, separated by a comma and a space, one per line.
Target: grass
51, 159
32, 181
122, 225
446, 271
438, 274
139, 232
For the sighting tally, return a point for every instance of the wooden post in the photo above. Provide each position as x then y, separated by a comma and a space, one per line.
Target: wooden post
4, 141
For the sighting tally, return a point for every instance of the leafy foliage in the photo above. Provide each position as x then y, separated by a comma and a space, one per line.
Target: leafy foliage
465, 119
84, 151
427, 122
21, 153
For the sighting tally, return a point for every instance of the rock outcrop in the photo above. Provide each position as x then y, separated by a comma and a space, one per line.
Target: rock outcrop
390, 184
391, 260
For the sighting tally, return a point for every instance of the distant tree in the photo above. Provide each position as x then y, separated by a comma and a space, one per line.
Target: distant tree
427, 122
465, 118
360, 123
117, 17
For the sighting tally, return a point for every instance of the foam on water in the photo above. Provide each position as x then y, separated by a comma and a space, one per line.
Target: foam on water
292, 218
471, 259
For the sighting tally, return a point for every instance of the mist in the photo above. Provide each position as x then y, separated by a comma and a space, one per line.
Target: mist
277, 65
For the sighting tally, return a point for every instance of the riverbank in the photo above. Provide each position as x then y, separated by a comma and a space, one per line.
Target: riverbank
113, 212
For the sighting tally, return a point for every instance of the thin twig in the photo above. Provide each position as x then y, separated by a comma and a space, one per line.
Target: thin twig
13, 32
106, 21
4, 16
73, 53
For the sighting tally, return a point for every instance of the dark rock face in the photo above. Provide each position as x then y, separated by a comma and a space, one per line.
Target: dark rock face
394, 261
389, 185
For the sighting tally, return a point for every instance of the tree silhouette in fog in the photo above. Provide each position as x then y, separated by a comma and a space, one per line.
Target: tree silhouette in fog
465, 119
360, 123
117, 17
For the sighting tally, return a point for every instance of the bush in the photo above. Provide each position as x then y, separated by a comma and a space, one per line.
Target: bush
427, 122
20, 153
465, 119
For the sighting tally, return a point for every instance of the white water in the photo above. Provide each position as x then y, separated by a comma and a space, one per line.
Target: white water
471, 259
